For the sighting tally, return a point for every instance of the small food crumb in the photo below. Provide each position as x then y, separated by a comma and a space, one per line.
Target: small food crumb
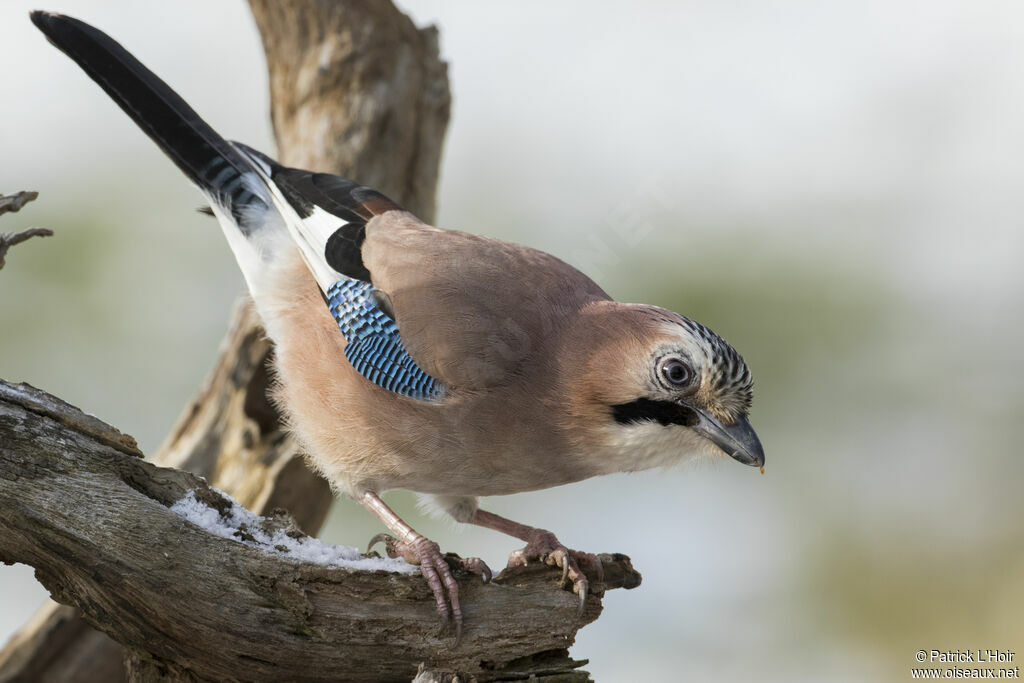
762, 470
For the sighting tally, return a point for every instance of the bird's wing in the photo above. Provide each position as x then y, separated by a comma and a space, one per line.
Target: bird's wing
326, 217
473, 311
420, 307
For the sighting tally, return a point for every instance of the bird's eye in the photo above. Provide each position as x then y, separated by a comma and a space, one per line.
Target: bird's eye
676, 372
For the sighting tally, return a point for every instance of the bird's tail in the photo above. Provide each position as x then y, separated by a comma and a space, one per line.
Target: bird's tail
224, 174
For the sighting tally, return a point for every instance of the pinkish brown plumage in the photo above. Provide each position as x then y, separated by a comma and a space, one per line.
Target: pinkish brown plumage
446, 363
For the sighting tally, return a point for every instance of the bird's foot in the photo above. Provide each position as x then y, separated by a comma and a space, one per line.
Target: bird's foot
544, 546
437, 570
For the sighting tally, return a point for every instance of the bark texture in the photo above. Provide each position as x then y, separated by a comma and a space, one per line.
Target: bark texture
80, 504
356, 89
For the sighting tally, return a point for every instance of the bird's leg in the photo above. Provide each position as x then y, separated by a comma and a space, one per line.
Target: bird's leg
417, 549
544, 546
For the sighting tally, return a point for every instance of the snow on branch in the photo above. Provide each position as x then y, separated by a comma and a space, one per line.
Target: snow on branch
197, 586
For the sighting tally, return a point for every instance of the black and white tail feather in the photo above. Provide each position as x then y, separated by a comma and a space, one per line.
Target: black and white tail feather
258, 201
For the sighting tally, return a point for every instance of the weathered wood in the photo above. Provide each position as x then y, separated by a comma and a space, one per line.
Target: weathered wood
58, 645
357, 78
357, 90
94, 519
233, 436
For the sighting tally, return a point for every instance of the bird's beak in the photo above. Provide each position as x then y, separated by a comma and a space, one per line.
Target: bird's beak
739, 440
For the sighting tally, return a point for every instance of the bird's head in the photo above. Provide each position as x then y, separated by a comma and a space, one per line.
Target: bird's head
663, 387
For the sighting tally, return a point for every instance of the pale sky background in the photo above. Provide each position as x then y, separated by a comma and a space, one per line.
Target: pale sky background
834, 187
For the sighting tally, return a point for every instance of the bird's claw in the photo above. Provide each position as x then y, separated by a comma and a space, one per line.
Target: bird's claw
545, 547
389, 542
437, 570
471, 564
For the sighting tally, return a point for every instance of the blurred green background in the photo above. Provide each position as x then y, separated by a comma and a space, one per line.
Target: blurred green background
833, 187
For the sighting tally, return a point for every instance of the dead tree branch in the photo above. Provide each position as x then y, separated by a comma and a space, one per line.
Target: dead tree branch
13, 203
78, 502
9, 239
355, 89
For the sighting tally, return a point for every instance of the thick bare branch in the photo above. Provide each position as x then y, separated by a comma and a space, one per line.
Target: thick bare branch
79, 504
356, 89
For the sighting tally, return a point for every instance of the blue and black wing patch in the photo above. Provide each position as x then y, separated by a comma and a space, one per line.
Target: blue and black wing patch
333, 213
374, 346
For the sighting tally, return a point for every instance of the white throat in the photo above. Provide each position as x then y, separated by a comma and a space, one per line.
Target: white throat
646, 445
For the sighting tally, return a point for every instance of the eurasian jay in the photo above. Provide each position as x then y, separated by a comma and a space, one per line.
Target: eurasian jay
438, 361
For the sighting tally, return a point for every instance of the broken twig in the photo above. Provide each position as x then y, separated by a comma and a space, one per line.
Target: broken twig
13, 203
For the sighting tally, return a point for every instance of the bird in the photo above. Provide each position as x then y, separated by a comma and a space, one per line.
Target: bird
446, 363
